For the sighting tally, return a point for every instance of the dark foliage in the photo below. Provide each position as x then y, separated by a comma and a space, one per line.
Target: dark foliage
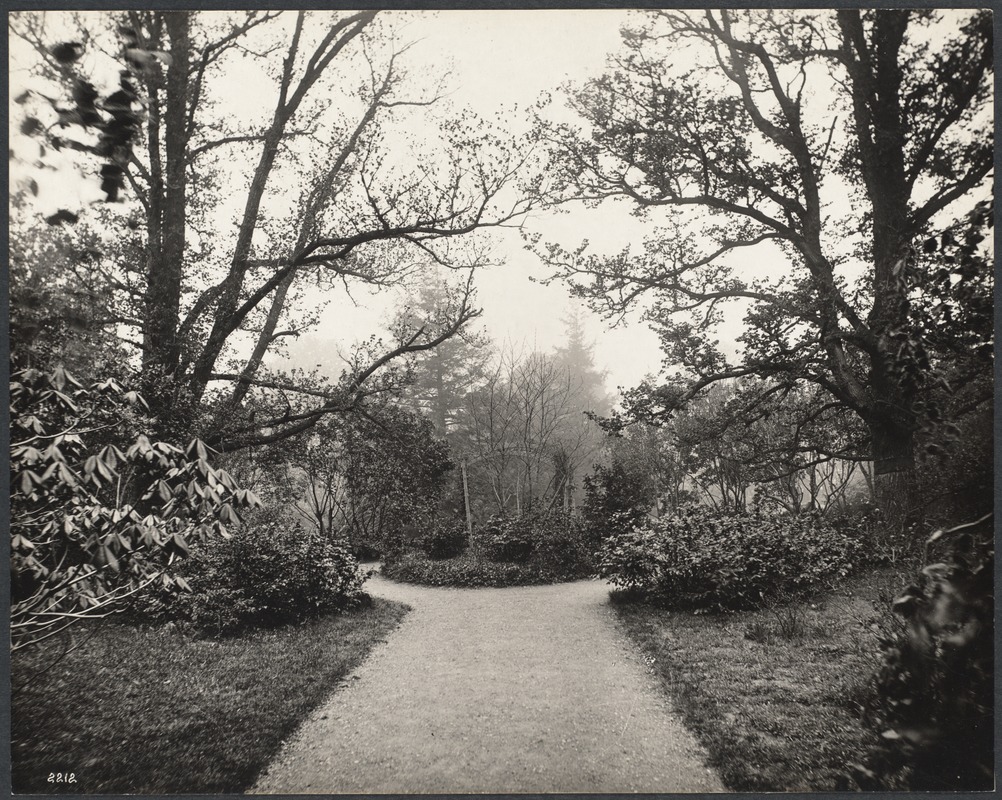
269, 573
464, 571
614, 500
445, 539
563, 550
117, 118
534, 548
935, 696
394, 470
505, 539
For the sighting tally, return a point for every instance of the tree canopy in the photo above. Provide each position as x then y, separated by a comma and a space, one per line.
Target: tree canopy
230, 217
848, 151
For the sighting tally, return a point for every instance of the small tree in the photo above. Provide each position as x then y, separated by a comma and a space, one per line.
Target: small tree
372, 477
519, 421
615, 498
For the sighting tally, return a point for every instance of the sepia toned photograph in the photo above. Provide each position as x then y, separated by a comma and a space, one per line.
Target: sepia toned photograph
509, 401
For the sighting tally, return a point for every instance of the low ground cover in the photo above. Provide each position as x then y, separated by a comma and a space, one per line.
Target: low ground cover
775, 695
154, 711
465, 570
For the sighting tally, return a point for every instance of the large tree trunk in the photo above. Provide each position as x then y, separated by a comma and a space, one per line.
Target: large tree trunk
876, 77
161, 348
893, 471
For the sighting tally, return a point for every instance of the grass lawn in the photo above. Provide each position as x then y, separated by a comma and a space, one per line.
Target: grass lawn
775, 713
153, 711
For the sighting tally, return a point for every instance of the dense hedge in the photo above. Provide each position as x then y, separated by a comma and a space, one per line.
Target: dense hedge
269, 573
704, 559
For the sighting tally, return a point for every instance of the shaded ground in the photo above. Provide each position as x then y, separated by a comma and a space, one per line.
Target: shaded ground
527, 689
150, 710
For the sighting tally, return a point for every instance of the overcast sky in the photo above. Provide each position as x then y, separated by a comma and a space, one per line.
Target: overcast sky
501, 60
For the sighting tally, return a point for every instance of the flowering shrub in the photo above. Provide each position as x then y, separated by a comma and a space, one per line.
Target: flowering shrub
709, 560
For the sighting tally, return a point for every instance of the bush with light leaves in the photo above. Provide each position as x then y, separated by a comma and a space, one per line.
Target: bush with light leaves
706, 559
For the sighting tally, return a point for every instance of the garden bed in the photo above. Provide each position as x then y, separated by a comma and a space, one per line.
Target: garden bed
774, 695
469, 570
154, 711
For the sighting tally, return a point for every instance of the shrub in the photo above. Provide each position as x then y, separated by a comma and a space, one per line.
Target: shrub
562, 547
364, 551
506, 539
614, 501
710, 560
269, 573
445, 539
98, 511
934, 699
535, 548
884, 543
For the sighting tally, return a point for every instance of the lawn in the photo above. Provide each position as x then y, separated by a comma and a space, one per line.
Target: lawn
774, 696
153, 711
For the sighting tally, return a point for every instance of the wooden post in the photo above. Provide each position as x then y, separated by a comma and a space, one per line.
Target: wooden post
466, 501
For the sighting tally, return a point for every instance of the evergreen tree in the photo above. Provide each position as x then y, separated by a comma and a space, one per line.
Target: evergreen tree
578, 357
581, 439
444, 376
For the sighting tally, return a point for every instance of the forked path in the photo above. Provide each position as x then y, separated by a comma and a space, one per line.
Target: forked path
528, 689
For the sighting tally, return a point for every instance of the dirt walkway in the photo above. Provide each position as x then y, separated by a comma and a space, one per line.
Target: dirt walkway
528, 689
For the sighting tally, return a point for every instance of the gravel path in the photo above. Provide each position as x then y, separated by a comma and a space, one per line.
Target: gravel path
527, 689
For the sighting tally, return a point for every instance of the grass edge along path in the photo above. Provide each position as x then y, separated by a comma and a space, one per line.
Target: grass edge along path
775, 714
154, 711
